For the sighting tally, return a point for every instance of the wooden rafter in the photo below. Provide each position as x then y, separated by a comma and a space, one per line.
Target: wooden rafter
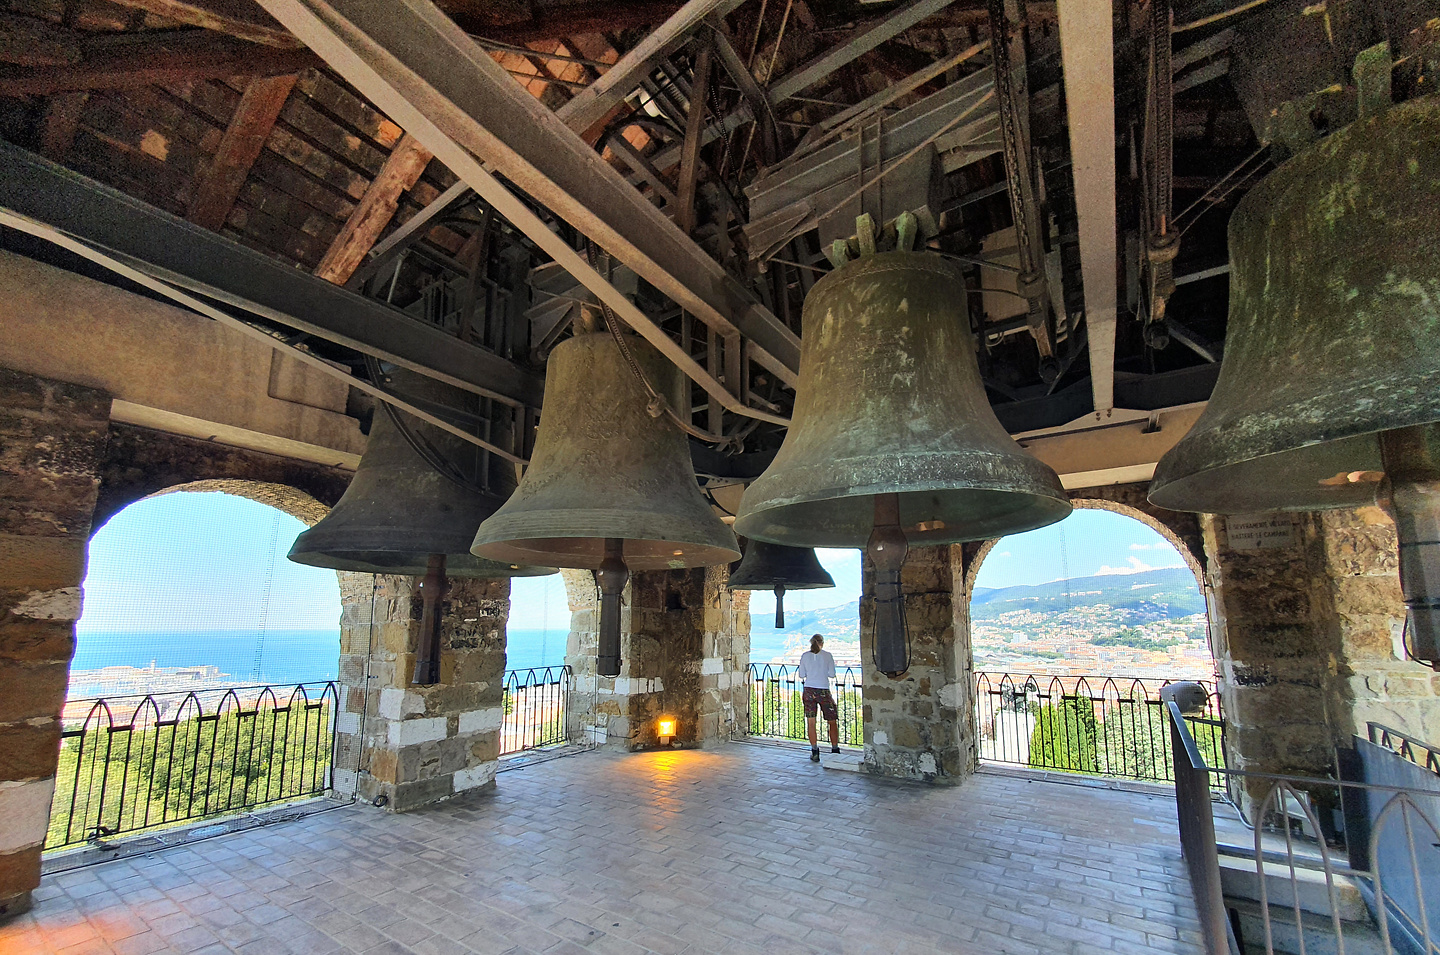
26, 41
62, 120
130, 61
377, 207
237, 18
555, 23
244, 138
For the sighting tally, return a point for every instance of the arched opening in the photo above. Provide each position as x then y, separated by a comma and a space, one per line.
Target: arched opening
776, 708
203, 678
1074, 630
537, 679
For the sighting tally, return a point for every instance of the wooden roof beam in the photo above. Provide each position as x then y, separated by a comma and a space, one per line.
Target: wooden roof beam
132, 60
244, 138
238, 18
377, 207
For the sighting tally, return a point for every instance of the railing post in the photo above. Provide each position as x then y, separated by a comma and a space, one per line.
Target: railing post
1197, 835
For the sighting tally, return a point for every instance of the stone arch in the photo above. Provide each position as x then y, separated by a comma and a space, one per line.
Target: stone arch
1181, 530
289, 500
141, 462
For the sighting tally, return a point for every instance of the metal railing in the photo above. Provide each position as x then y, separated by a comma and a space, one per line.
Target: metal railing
776, 709
1095, 725
1419, 752
140, 762
536, 706
1326, 865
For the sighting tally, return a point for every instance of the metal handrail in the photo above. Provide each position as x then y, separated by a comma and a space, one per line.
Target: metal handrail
535, 708
777, 712
1281, 807
144, 761
1382, 735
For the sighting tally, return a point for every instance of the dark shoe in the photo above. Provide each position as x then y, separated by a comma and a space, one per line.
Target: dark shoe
834, 749
815, 756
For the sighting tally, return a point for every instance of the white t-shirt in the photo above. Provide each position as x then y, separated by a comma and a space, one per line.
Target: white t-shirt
816, 669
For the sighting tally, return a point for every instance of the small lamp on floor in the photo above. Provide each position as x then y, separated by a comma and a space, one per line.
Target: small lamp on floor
665, 729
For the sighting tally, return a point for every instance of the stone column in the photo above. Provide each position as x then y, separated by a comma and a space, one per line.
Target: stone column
404, 745
1308, 639
684, 650
919, 726
52, 437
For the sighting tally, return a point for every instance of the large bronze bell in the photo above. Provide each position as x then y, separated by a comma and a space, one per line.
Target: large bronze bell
1331, 376
398, 510
610, 486
776, 567
892, 441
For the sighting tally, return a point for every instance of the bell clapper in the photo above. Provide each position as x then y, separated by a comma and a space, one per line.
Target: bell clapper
432, 589
887, 547
779, 606
611, 577
1410, 493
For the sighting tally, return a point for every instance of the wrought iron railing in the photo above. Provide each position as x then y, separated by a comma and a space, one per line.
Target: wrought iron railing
776, 709
536, 702
1419, 752
1096, 725
1327, 865
141, 762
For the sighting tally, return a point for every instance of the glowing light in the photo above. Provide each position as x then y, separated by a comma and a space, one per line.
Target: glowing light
666, 727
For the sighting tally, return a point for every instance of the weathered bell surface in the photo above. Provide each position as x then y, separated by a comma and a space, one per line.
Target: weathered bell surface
890, 402
1334, 326
604, 469
398, 510
765, 565
776, 567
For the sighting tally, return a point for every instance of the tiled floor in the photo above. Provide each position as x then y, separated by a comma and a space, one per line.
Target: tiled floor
748, 849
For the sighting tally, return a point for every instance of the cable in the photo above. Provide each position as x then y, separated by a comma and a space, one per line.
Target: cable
420, 444
658, 405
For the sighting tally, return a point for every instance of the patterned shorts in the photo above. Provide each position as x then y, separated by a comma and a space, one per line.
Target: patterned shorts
813, 698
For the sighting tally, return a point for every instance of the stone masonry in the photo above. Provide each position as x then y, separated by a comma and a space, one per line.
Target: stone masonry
1308, 642
405, 745
919, 726
52, 438
685, 651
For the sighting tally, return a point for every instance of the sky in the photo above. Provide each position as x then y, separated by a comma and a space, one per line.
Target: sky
1093, 542
203, 561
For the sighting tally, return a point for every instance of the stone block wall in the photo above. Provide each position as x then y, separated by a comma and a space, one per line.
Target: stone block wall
919, 726
685, 652
1308, 642
52, 440
414, 745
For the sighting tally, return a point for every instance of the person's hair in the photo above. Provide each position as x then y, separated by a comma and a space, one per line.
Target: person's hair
815, 643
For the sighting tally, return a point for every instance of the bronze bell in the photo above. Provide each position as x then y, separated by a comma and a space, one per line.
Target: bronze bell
610, 486
1332, 356
766, 566
398, 510
892, 440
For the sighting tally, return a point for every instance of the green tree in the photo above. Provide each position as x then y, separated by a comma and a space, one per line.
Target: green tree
1134, 741
1064, 737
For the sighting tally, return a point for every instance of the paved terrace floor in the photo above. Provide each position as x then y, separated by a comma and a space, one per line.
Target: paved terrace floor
743, 850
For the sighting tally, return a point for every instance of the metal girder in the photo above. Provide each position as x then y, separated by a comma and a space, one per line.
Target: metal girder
1087, 45
450, 59
426, 73
854, 48
590, 105
226, 271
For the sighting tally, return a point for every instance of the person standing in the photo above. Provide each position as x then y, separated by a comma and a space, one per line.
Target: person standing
817, 669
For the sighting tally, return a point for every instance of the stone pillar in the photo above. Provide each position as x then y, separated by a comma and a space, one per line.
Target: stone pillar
405, 745
52, 437
1307, 637
919, 726
684, 651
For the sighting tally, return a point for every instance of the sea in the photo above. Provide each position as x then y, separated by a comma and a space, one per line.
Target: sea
280, 656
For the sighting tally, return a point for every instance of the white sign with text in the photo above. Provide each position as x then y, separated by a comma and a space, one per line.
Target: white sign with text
1260, 531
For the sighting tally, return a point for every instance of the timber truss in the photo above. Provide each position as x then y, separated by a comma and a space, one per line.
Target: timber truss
454, 188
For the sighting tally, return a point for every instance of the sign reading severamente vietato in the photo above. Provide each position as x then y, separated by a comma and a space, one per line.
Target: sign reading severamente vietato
1260, 531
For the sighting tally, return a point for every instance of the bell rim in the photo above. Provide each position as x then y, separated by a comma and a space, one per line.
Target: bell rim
696, 554
1045, 510
467, 566
771, 584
